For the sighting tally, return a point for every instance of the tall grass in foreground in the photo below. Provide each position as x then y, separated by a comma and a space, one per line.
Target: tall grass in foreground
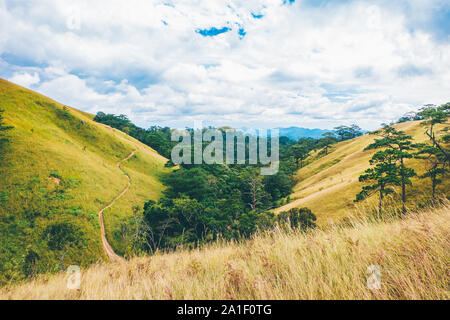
412, 254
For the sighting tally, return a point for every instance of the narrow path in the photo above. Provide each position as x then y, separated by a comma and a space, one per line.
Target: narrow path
106, 246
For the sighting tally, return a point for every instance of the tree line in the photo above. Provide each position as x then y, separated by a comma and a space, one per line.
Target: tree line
388, 167
202, 203
155, 137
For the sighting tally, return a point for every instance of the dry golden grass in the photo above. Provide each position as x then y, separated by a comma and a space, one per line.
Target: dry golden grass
331, 263
329, 185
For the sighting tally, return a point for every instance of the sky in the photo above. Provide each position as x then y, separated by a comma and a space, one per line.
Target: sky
254, 64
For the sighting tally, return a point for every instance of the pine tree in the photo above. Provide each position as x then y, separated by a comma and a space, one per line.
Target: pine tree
402, 147
436, 165
327, 141
300, 153
381, 177
436, 152
436, 115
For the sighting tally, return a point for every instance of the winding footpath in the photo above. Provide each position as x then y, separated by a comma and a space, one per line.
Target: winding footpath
106, 246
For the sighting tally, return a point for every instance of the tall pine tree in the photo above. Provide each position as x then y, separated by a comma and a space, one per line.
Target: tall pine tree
435, 152
402, 148
381, 177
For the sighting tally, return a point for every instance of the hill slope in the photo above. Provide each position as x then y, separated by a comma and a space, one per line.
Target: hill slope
60, 165
412, 256
329, 185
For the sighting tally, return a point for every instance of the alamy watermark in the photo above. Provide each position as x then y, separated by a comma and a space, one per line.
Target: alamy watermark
74, 279
227, 146
374, 277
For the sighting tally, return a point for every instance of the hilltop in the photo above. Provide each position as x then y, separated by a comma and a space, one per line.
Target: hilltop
328, 185
60, 165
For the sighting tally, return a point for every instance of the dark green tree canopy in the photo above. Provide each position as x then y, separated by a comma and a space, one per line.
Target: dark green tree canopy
348, 132
298, 218
62, 235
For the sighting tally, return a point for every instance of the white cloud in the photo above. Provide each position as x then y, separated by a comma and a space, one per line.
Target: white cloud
297, 65
25, 79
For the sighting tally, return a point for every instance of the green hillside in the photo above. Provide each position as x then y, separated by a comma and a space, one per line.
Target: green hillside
329, 184
58, 166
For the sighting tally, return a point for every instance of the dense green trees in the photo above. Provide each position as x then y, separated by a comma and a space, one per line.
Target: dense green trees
297, 218
61, 236
155, 137
204, 202
348, 132
300, 152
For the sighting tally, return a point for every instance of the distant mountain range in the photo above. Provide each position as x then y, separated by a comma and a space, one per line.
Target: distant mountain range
297, 133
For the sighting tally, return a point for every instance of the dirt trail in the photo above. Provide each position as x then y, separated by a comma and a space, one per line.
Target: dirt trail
106, 246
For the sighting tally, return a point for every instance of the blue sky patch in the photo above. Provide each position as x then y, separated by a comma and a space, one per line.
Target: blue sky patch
242, 32
212, 31
16, 60
410, 70
257, 16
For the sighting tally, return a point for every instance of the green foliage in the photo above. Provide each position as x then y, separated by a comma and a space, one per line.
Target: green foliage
49, 137
204, 202
61, 236
348, 132
29, 266
436, 152
401, 145
155, 137
329, 138
300, 152
436, 115
55, 174
297, 218
436, 167
381, 177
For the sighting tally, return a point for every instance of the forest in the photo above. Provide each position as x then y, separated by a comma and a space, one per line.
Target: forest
204, 203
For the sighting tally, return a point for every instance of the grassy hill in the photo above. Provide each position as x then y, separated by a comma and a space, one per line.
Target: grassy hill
412, 255
60, 165
329, 184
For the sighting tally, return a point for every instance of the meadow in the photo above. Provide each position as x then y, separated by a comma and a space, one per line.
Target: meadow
412, 254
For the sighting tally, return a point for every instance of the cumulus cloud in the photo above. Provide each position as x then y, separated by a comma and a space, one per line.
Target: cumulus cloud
244, 63
25, 79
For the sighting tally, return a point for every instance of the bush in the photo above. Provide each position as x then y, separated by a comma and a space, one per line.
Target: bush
296, 218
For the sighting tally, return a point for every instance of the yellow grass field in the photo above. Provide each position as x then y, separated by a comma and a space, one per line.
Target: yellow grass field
329, 185
412, 255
